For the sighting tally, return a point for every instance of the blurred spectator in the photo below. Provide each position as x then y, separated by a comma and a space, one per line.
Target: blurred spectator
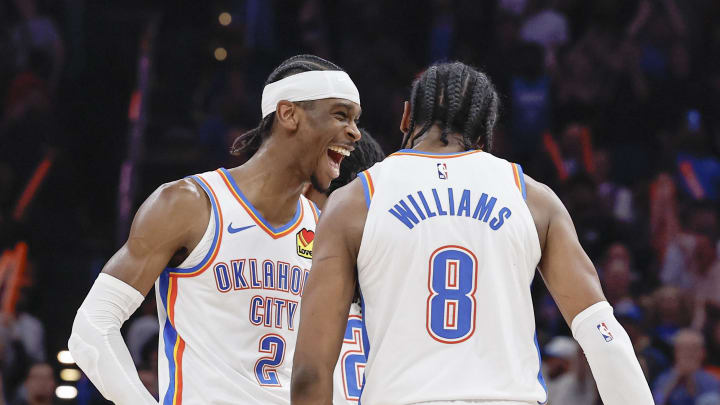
617, 276
22, 343
599, 75
615, 198
671, 313
573, 155
530, 102
38, 42
652, 360
689, 256
697, 166
661, 28
547, 27
664, 220
570, 380
39, 386
595, 228
713, 339
685, 381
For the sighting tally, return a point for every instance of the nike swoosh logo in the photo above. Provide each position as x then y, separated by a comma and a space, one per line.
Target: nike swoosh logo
236, 230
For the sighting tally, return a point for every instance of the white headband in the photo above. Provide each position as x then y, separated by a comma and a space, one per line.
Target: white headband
313, 85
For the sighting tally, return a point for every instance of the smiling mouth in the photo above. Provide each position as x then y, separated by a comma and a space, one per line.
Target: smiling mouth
337, 153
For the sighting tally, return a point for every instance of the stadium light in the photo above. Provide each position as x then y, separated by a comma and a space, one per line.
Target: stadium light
66, 392
221, 54
65, 357
70, 374
225, 18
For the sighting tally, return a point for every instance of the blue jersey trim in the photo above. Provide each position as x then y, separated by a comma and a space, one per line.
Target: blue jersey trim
366, 341
169, 335
522, 180
540, 377
209, 254
255, 212
366, 189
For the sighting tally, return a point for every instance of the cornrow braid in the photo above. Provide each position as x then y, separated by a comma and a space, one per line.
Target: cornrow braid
428, 92
476, 106
252, 139
453, 100
459, 99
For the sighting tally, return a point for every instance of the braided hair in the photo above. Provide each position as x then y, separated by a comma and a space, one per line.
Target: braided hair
458, 98
251, 140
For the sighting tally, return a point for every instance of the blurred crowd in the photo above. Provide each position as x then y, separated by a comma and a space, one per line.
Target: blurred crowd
614, 104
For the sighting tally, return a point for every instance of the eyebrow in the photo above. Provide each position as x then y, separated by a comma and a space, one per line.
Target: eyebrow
347, 105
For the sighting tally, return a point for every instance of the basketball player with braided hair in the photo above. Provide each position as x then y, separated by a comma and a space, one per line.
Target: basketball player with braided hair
443, 239
229, 252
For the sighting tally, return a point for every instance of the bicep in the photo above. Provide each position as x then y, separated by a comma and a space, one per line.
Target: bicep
567, 270
160, 228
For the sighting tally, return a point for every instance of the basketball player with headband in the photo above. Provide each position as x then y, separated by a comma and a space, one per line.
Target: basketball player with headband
229, 252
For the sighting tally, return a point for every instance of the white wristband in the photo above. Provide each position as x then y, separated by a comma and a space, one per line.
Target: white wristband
611, 356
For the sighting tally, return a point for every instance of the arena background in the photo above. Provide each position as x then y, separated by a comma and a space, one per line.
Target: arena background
612, 103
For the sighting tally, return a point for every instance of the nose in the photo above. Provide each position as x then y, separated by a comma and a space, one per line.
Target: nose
354, 132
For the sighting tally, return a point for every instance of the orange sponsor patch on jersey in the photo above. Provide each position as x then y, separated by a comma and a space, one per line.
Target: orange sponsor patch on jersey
305, 243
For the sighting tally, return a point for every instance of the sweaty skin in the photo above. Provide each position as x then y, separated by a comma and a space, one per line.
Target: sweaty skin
568, 273
173, 220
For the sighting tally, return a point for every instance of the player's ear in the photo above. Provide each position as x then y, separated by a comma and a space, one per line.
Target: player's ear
405, 121
286, 115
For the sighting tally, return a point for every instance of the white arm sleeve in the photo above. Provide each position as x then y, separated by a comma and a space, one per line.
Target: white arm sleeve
98, 347
611, 356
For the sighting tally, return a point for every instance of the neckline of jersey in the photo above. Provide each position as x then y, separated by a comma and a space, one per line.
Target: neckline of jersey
275, 232
413, 152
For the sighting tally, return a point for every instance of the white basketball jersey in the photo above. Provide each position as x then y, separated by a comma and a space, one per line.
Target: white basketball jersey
350, 368
229, 314
448, 253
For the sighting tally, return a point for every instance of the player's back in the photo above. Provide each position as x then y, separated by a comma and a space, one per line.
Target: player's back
448, 254
230, 312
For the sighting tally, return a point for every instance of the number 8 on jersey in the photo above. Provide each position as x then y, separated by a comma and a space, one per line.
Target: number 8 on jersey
452, 281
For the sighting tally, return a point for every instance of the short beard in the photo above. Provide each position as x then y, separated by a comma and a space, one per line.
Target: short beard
316, 185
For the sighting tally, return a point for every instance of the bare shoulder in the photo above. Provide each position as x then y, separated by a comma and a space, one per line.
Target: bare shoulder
176, 205
343, 219
348, 197
544, 204
172, 219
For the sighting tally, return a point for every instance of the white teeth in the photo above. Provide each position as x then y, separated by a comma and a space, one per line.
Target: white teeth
340, 150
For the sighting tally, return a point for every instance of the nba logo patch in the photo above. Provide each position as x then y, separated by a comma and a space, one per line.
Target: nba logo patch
305, 243
442, 171
605, 332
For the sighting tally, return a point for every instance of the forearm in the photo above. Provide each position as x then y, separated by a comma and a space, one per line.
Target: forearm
609, 352
98, 347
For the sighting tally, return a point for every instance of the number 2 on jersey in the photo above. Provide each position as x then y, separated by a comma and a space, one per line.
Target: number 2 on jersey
452, 281
353, 361
266, 367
